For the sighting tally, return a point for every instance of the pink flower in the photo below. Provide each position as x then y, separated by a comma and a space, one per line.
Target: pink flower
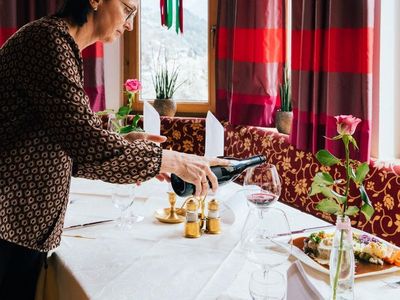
133, 85
346, 124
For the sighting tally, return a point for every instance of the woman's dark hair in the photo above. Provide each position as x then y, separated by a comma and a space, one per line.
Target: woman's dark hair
76, 10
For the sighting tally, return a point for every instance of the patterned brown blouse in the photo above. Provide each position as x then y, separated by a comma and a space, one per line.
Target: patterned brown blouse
48, 133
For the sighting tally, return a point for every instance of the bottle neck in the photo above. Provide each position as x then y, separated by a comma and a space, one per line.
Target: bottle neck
343, 222
343, 225
249, 162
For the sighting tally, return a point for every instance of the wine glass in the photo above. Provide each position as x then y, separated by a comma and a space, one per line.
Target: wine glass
262, 186
122, 197
270, 287
267, 241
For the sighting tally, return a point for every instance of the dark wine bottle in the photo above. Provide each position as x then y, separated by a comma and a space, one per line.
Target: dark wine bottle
223, 174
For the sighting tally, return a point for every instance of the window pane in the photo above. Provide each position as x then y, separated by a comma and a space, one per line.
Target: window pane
189, 50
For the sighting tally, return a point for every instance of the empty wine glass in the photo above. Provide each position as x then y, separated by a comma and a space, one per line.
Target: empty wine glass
262, 186
122, 197
267, 242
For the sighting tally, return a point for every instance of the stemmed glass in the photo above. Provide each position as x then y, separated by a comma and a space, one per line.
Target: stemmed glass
123, 197
262, 186
267, 241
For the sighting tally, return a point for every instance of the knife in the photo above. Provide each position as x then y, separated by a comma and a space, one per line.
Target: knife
87, 224
310, 228
303, 230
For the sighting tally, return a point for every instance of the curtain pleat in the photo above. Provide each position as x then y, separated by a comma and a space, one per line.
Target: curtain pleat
250, 55
14, 14
332, 56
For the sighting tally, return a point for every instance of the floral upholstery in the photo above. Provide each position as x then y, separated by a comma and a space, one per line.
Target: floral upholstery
184, 134
296, 168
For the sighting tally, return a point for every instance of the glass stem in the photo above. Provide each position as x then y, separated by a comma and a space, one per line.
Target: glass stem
266, 272
122, 217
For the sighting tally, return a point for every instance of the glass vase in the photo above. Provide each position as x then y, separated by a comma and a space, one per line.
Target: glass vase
341, 263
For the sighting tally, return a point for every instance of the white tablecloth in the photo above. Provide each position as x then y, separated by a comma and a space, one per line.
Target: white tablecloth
154, 260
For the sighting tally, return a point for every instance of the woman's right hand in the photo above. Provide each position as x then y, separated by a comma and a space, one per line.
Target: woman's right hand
192, 168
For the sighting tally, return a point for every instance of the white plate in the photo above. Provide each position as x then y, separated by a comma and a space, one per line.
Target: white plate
304, 258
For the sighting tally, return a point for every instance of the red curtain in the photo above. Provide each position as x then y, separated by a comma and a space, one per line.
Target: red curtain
14, 14
250, 55
332, 59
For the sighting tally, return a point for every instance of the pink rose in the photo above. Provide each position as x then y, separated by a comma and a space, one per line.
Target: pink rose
133, 85
346, 124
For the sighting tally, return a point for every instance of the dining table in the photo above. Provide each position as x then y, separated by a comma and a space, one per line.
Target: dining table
154, 260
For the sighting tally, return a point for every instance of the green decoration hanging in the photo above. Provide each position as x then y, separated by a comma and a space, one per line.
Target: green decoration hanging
167, 14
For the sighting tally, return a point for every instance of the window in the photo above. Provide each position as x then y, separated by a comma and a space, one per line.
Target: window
193, 52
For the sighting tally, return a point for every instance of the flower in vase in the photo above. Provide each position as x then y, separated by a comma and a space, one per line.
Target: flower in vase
122, 125
335, 202
132, 86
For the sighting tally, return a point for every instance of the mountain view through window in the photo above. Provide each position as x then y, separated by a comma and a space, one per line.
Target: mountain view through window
188, 51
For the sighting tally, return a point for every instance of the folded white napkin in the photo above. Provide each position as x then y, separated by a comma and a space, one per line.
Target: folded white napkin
151, 119
214, 137
298, 285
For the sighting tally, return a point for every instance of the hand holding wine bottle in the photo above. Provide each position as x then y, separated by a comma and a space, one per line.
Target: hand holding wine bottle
223, 174
193, 169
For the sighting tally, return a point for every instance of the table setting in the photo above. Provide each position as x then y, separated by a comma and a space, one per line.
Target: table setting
153, 260
146, 242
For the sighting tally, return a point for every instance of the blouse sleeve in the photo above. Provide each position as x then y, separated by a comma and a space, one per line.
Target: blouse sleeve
55, 91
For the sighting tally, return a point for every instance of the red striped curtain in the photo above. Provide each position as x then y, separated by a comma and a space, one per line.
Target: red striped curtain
16, 13
250, 56
332, 59
93, 68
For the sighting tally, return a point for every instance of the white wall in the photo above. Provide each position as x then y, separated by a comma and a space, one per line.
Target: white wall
113, 74
397, 90
389, 91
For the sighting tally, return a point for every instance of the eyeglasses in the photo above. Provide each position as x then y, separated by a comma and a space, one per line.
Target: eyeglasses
129, 11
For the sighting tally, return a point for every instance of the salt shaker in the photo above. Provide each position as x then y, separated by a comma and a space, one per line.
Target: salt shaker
213, 222
192, 223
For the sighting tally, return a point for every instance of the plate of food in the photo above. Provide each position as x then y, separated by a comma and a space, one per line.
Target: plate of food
372, 255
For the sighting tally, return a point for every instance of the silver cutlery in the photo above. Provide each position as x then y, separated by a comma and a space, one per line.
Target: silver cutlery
305, 230
87, 224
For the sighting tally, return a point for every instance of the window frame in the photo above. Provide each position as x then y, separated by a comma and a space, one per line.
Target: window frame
131, 65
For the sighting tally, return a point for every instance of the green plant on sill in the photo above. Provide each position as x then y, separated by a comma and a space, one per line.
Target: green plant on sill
284, 91
165, 78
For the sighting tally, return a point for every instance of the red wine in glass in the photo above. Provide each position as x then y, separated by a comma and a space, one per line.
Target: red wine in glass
262, 198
